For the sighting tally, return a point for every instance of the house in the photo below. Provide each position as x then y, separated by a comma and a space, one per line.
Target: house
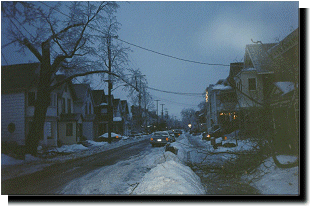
118, 120
101, 112
254, 81
125, 114
284, 95
221, 104
69, 123
84, 105
18, 95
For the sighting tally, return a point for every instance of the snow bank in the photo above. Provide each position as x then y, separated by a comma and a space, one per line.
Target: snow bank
271, 180
7, 160
170, 177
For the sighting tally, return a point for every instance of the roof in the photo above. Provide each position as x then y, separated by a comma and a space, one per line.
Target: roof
285, 87
81, 91
19, 77
98, 97
259, 57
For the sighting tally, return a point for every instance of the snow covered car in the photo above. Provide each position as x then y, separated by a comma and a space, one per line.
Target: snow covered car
104, 137
160, 138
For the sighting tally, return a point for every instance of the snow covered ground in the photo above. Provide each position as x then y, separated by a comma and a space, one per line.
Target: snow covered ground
155, 171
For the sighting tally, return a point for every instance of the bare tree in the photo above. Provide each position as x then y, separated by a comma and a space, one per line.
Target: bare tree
63, 37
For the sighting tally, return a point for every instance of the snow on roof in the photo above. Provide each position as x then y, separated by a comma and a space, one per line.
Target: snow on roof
221, 87
285, 87
103, 104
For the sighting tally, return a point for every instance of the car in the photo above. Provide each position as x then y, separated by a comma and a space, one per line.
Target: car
160, 138
171, 133
216, 131
104, 137
177, 132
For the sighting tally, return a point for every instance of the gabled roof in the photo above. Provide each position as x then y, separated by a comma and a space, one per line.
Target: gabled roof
19, 77
285, 87
98, 96
81, 91
259, 57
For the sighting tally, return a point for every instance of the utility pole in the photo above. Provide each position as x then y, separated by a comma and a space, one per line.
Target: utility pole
157, 111
162, 111
110, 109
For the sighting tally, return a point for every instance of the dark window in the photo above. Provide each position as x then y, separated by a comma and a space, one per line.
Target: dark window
69, 129
31, 98
252, 84
63, 106
90, 112
86, 109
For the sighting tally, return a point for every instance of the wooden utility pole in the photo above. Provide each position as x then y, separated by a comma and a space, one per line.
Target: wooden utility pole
157, 111
110, 108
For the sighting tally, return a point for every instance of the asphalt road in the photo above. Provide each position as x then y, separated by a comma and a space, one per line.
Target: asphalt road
53, 178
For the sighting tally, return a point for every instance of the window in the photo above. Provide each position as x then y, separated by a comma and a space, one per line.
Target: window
69, 106
252, 84
90, 112
53, 100
86, 108
31, 98
63, 105
69, 129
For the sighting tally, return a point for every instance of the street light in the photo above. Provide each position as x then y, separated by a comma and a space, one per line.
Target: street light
190, 126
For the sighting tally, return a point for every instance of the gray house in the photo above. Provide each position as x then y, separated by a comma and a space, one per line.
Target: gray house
84, 105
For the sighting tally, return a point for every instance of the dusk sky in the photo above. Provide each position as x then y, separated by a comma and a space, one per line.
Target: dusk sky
204, 32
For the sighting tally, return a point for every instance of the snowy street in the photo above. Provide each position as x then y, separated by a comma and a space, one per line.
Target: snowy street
134, 167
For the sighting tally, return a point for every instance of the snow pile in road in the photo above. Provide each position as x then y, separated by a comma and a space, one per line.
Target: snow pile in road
171, 177
271, 180
154, 171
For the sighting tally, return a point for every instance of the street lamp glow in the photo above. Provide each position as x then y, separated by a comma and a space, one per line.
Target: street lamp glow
189, 125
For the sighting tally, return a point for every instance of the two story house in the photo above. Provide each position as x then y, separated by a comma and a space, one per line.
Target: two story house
84, 104
18, 95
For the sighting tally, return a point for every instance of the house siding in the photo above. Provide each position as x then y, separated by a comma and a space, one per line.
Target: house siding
13, 110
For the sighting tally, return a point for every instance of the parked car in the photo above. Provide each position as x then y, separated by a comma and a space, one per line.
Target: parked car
160, 138
104, 137
177, 132
216, 131
171, 133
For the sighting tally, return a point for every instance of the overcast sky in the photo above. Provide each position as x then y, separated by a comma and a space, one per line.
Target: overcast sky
205, 32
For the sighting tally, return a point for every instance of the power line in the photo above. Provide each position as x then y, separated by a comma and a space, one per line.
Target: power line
179, 93
166, 55
186, 60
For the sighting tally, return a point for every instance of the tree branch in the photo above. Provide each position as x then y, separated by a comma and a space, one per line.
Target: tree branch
68, 79
32, 49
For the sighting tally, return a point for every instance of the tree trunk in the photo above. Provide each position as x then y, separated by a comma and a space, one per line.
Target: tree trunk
37, 127
42, 102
